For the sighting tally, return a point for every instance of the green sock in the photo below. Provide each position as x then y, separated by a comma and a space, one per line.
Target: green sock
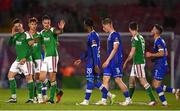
53, 90
31, 90
39, 87
13, 86
131, 91
149, 92
35, 89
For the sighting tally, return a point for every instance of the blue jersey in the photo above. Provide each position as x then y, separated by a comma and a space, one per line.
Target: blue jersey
115, 38
92, 55
159, 44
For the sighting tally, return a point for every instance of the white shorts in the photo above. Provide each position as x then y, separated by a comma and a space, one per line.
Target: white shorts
138, 70
50, 64
37, 66
26, 69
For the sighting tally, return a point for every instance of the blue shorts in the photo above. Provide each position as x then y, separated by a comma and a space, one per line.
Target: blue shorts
91, 76
113, 71
159, 72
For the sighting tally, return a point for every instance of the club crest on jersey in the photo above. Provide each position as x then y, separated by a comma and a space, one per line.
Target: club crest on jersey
89, 70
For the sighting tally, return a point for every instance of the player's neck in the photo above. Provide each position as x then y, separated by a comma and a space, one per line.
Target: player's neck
21, 31
46, 29
156, 36
32, 31
134, 34
90, 30
111, 30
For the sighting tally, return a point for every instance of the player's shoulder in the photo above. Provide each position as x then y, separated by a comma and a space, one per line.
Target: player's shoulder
38, 33
27, 33
162, 41
159, 40
115, 34
52, 29
93, 35
135, 38
41, 32
140, 36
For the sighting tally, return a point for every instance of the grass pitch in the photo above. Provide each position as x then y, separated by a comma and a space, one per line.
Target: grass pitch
73, 96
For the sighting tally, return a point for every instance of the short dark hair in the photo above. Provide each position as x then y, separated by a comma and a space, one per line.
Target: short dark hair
133, 26
33, 19
159, 28
106, 21
89, 22
16, 21
45, 17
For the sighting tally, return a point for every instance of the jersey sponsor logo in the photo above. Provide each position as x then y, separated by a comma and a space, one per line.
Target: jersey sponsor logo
18, 42
35, 44
46, 38
93, 42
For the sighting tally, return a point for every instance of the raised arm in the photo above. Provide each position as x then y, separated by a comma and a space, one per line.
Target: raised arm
61, 25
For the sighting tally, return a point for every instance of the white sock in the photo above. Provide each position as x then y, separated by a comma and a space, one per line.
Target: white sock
128, 99
13, 96
103, 100
165, 103
109, 94
87, 101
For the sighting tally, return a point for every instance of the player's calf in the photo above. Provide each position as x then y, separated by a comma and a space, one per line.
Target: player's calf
53, 86
125, 91
148, 89
160, 92
104, 91
30, 82
174, 91
13, 86
132, 85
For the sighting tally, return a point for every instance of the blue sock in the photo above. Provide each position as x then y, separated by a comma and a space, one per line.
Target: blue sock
126, 94
160, 92
89, 89
102, 89
168, 89
44, 89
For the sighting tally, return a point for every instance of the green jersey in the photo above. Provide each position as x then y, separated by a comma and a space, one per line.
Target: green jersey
138, 43
50, 41
37, 50
23, 50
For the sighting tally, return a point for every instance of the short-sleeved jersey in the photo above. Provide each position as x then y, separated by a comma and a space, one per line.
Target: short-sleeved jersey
23, 50
159, 44
138, 42
115, 38
50, 41
93, 40
37, 49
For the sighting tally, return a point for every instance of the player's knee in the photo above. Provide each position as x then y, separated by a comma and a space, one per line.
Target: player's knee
52, 77
132, 82
155, 84
29, 77
42, 76
36, 76
142, 81
105, 80
11, 75
118, 80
